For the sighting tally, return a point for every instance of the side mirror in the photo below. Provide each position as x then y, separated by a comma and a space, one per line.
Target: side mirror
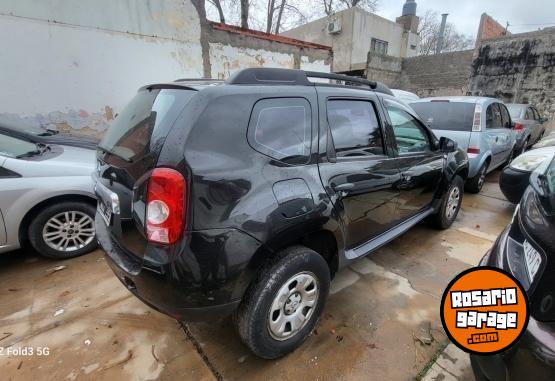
447, 145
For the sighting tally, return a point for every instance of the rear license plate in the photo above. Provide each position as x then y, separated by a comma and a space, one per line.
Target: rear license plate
533, 260
105, 211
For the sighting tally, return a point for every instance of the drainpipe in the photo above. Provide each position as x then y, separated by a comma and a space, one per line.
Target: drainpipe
441, 36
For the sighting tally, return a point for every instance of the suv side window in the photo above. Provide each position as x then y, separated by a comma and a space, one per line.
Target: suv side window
281, 129
354, 128
505, 116
493, 116
536, 114
409, 134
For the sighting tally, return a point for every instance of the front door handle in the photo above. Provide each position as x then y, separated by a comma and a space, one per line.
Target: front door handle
344, 188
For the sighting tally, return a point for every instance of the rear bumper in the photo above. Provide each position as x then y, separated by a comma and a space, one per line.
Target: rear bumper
202, 279
513, 183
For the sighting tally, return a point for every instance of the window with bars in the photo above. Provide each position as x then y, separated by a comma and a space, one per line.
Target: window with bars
379, 46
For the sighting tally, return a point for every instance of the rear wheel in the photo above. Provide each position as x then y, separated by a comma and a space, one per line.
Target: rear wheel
64, 230
281, 308
475, 184
451, 204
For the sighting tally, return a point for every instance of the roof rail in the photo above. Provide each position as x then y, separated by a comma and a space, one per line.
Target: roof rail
276, 76
198, 80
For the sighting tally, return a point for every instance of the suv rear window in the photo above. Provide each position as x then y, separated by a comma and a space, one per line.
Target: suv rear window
452, 116
149, 115
281, 128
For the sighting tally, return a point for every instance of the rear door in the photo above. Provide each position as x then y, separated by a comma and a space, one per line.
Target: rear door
508, 134
358, 173
536, 125
496, 135
127, 153
419, 160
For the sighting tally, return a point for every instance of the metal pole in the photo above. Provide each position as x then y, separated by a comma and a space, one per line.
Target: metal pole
441, 36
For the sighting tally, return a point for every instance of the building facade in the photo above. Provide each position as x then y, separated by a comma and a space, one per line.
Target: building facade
355, 33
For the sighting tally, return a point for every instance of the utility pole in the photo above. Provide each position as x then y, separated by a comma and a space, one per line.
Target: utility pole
441, 36
507, 28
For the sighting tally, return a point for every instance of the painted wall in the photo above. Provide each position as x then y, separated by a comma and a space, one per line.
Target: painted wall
74, 64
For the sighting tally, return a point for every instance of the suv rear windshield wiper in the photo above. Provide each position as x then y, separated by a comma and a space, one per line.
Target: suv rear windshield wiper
109, 151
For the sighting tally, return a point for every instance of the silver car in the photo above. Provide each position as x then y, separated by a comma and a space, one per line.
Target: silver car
481, 126
528, 125
46, 197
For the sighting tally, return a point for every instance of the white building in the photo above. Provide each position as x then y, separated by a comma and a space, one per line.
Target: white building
354, 33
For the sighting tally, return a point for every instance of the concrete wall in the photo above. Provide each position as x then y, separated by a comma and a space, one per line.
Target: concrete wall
385, 69
518, 69
72, 65
352, 44
231, 50
435, 75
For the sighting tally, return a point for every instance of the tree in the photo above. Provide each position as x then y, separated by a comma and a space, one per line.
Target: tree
218, 5
330, 6
428, 29
245, 5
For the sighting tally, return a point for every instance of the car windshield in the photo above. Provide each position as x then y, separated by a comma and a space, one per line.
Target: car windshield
15, 148
515, 111
452, 116
31, 130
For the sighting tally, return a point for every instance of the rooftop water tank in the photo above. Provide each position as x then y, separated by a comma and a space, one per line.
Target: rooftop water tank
409, 8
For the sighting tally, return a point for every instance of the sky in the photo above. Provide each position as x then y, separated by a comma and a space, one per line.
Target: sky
465, 14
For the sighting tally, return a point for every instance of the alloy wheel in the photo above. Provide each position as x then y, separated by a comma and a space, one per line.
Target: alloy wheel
68, 231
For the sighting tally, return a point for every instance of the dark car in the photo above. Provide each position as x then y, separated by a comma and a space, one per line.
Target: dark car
33, 134
528, 125
247, 196
515, 177
526, 249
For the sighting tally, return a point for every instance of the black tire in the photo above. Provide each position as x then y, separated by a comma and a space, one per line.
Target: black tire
478, 374
252, 318
475, 184
36, 229
449, 208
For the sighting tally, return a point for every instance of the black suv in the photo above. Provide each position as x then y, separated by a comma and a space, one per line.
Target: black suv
247, 196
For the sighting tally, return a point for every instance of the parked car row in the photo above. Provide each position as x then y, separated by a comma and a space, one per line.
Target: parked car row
246, 197
484, 128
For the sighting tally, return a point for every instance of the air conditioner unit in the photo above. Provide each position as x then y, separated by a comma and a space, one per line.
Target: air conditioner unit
334, 26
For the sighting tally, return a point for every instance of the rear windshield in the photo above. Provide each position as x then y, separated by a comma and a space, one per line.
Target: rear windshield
453, 116
150, 114
515, 111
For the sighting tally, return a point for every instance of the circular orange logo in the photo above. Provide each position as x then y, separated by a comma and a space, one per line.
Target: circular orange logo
484, 310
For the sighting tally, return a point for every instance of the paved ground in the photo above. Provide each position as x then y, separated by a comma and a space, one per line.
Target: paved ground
381, 321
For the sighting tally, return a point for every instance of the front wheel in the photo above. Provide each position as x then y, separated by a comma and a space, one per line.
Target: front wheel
281, 308
64, 230
450, 205
475, 184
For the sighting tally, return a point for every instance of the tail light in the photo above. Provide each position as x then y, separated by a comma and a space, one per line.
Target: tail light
474, 150
518, 127
165, 206
477, 123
